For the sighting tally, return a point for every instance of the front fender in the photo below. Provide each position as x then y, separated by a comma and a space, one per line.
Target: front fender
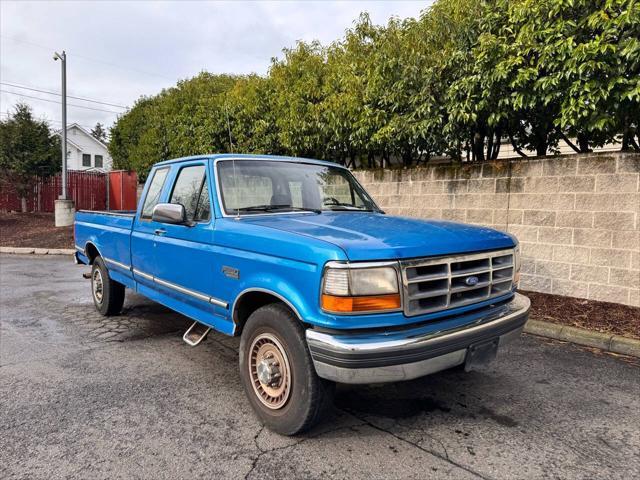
279, 287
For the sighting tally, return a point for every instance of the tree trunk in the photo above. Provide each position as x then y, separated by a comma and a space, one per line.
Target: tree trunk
625, 141
625, 135
496, 146
541, 135
492, 153
23, 204
490, 145
515, 146
583, 143
478, 147
406, 158
568, 142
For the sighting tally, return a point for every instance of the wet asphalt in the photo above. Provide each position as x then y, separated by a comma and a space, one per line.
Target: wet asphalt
82, 396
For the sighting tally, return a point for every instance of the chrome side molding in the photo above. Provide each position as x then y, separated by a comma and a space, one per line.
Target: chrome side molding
117, 264
181, 289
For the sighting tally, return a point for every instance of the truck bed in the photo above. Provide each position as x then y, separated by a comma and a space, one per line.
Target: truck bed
119, 213
107, 233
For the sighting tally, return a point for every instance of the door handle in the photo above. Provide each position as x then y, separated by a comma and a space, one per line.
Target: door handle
159, 231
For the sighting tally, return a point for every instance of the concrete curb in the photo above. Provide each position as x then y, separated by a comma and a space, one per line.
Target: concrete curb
580, 336
37, 251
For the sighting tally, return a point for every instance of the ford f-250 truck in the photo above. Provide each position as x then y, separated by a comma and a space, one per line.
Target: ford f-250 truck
295, 257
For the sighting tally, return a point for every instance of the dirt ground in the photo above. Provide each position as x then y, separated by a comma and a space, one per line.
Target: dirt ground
602, 317
33, 230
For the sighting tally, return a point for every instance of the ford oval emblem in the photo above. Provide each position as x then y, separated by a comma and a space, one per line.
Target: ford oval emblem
471, 281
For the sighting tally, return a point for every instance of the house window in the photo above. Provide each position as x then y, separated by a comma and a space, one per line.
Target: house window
86, 160
98, 161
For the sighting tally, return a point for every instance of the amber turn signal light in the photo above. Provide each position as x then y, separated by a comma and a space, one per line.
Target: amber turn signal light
336, 304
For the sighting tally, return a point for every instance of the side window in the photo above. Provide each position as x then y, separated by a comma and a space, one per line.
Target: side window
153, 195
203, 211
86, 160
192, 191
98, 160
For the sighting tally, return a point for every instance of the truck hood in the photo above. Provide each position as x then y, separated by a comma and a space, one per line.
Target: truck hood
374, 236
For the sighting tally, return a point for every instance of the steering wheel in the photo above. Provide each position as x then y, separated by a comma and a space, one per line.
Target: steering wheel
331, 201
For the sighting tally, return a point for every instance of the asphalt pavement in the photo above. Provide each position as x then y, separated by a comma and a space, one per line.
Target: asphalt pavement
82, 396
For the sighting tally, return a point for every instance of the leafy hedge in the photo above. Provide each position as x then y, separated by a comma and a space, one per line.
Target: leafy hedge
456, 81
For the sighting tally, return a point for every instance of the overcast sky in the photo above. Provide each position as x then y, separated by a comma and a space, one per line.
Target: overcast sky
118, 51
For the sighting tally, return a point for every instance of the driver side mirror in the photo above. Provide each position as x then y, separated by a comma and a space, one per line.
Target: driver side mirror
173, 213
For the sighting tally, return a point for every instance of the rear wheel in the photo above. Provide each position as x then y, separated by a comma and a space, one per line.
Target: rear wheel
108, 295
278, 374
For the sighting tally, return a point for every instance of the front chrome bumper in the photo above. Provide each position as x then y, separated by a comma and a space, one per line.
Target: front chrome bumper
394, 355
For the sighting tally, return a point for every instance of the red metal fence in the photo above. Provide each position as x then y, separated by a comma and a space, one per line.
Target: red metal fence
123, 186
87, 189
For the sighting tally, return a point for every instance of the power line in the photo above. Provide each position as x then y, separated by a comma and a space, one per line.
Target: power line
24, 87
44, 119
90, 59
55, 101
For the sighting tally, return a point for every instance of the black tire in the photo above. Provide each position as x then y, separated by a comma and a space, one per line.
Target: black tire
111, 297
308, 396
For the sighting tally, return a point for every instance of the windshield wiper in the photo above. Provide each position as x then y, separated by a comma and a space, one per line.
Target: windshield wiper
270, 208
348, 208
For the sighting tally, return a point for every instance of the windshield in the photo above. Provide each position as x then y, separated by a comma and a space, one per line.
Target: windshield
259, 186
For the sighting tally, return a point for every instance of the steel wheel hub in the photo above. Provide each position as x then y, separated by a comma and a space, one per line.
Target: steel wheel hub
270, 371
98, 286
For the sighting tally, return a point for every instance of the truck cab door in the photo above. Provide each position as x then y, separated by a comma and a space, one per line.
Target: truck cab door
144, 231
184, 254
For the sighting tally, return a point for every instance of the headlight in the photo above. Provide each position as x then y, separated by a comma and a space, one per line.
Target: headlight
348, 289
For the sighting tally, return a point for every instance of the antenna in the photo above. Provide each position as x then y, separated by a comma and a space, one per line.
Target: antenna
226, 110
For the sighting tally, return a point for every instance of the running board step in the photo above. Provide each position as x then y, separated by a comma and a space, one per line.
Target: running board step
195, 334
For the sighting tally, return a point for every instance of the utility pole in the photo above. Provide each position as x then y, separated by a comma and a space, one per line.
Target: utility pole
64, 208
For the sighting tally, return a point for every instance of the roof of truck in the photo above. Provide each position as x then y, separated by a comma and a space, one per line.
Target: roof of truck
246, 156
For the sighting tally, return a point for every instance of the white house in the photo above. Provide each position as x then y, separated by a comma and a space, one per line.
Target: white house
85, 152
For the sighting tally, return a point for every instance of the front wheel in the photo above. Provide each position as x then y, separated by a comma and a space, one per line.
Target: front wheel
108, 295
278, 374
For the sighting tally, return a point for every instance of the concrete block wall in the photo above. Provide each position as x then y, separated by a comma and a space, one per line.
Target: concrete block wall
577, 217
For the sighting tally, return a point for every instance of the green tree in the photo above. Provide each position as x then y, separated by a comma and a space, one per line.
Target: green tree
251, 116
297, 83
348, 119
447, 31
493, 94
27, 149
99, 132
459, 80
187, 119
551, 69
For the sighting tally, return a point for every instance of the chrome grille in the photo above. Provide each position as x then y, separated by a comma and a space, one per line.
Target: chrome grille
434, 284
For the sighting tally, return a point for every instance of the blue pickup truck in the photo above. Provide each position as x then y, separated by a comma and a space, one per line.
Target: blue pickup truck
321, 286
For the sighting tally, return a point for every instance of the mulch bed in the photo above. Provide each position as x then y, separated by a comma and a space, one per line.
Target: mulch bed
33, 230
604, 317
